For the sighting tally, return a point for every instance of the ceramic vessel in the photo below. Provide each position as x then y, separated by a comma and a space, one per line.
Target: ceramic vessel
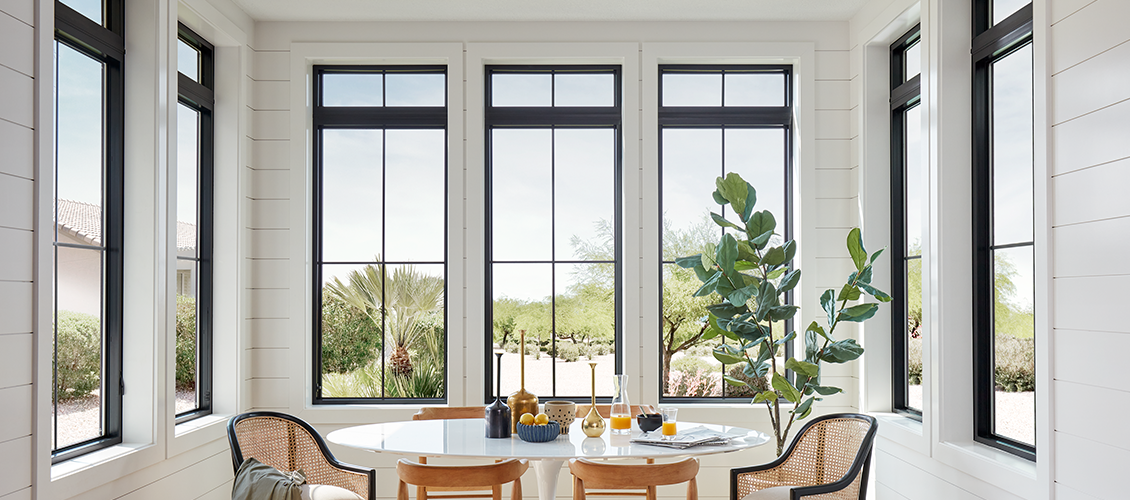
497, 414
562, 412
593, 424
522, 401
539, 433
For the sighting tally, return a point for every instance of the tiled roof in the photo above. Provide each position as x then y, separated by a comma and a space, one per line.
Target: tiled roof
84, 221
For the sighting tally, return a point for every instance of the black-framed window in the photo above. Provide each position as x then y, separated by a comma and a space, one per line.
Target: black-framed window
88, 216
194, 209
713, 119
380, 234
554, 153
908, 223
1003, 227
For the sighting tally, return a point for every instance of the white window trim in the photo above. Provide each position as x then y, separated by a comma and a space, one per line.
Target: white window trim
303, 57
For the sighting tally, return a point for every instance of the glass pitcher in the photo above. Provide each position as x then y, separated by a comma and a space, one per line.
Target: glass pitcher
621, 411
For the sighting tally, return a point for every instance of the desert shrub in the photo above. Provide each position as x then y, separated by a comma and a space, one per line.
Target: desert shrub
186, 342
350, 340
603, 349
532, 349
1016, 364
914, 362
701, 351
78, 354
568, 351
426, 381
588, 351
696, 384
689, 364
512, 348
754, 384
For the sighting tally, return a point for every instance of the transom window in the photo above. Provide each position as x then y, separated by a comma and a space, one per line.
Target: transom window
380, 233
553, 252
713, 120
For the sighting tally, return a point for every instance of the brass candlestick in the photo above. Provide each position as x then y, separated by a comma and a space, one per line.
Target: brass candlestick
593, 424
521, 402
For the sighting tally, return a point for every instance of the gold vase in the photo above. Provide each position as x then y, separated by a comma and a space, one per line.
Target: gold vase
521, 402
593, 424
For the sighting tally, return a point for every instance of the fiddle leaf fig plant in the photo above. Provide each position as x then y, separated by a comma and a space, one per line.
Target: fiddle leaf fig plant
752, 274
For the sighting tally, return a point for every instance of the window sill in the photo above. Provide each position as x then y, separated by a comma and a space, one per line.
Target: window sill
199, 423
902, 422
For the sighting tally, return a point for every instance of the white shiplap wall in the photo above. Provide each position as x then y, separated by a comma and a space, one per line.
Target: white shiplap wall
279, 333
17, 250
1089, 159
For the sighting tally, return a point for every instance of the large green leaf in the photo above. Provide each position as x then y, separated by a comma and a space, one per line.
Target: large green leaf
702, 273
859, 313
762, 239
877, 254
746, 253
848, 292
712, 329
726, 253
803, 367
842, 351
733, 381
760, 223
781, 313
828, 303
819, 330
718, 198
775, 256
811, 345
864, 276
790, 250
740, 296
782, 385
789, 281
725, 310
728, 355
804, 409
855, 248
690, 261
764, 396
721, 221
708, 286
826, 390
734, 189
875, 292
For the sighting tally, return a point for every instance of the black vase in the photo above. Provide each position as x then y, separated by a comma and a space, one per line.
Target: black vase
498, 414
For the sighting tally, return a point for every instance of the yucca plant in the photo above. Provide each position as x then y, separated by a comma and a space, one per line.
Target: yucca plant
752, 276
404, 298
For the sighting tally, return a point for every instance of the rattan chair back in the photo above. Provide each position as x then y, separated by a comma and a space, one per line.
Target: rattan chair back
288, 444
829, 460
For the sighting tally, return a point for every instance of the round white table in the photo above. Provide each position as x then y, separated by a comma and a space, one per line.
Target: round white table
466, 438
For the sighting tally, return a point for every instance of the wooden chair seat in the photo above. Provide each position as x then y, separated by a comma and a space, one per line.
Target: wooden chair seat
430, 479
589, 475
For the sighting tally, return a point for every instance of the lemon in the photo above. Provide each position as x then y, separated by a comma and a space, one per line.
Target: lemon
526, 419
541, 419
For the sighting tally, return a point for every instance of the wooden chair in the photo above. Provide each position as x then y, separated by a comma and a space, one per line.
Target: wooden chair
589, 475
829, 458
431, 478
287, 443
449, 412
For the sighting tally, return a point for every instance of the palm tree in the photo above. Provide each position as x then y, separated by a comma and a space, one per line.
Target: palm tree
403, 298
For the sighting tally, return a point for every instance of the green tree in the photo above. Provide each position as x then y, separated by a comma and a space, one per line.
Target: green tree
405, 296
683, 318
350, 340
505, 319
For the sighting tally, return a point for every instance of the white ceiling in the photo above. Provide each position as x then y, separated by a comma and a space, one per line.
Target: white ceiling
550, 10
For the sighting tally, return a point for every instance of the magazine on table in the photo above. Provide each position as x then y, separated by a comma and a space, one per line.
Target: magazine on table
694, 436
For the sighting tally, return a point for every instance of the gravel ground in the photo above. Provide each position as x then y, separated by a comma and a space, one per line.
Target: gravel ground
1016, 413
574, 378
80, 419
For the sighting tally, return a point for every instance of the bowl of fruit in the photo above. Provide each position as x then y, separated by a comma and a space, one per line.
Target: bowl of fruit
537, 429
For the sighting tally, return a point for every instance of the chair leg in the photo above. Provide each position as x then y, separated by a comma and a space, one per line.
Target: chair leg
402, 491
578, 489
692, 489
496, 492
516, 490
651, 492
422, 492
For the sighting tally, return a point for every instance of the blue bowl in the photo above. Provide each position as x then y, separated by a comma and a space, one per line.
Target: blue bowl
539, 433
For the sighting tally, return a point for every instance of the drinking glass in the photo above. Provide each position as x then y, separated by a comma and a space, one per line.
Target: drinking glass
669, 422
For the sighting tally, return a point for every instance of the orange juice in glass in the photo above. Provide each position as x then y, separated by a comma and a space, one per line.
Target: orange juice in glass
669, 422
621, 422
